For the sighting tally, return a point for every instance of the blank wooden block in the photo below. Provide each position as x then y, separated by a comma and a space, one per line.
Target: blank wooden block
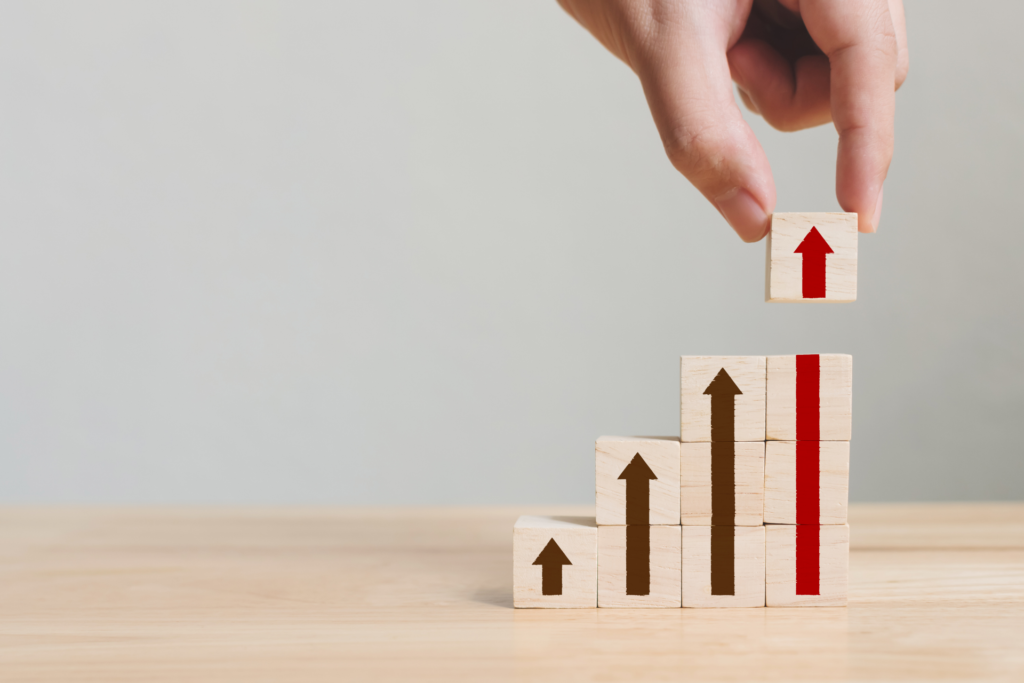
654, 478
712, 577
638, 566
722, 398
812, 257
554, 562
807, 565
821, 489
739, 500
810, 397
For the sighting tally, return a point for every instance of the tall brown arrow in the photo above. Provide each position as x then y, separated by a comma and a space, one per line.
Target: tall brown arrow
638, 476
723, 392
551, 560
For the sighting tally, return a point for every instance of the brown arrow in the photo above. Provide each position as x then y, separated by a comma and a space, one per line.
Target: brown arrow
638, 559
638, 476
551, 560
723, 392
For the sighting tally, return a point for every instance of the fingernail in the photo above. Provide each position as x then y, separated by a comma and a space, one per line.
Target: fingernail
878, 211
744, 214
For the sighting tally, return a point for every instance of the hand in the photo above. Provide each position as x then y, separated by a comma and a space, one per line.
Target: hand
798, 63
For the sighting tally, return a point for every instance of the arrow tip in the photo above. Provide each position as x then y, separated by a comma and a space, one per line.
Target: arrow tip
552, 554
813, 243
637, 469
722, 384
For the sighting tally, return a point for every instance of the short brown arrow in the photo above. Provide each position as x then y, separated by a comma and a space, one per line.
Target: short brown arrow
723, 392
551, 560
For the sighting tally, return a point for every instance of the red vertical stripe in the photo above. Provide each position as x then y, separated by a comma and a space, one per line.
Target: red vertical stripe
807, 559
808, 452
808, 502
808, 412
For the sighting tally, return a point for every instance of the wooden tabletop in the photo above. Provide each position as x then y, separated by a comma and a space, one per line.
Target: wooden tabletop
390, 594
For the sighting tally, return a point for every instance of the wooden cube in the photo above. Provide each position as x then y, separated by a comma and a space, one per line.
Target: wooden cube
554, 562
722, 483
806, 482
723, 566
637, 480
812, 257
722, 398
810, 397
638, 566
807, 565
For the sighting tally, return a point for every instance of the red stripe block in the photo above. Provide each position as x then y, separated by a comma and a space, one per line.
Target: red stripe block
808, 499
808, 474
808, 398
807, 559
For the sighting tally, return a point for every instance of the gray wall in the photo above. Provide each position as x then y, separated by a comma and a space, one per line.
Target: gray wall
321, 252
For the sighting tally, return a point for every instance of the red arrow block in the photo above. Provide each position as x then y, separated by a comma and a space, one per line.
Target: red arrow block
812, 257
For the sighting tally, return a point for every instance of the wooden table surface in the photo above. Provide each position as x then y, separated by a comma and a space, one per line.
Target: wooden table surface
151, 594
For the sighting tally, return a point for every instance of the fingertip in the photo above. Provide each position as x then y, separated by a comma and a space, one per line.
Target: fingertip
746, 216
877, 215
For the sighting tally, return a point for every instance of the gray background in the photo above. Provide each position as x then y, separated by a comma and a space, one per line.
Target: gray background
409, 252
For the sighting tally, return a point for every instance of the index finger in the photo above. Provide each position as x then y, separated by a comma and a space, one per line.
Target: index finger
859, 39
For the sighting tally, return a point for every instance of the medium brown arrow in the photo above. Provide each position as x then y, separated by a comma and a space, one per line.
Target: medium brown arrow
723, 392
551, 560
638, 476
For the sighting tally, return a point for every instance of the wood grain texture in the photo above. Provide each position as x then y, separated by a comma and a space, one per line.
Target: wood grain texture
665, 559
747, 372
310, 595
749, 568
780, 567
785, 267
695, 483
835, 393
780, 482
577, 539
614, 453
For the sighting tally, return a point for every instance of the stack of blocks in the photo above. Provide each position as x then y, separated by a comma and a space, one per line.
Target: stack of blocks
746, 509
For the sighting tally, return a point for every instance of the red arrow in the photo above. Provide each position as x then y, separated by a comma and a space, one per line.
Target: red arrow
814, 248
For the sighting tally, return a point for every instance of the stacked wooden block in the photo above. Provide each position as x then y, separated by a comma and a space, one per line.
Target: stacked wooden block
746, 509
807, 478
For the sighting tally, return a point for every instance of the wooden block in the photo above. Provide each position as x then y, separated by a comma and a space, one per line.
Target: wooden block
806, 482
637, 480
638, 566
722, 483
807, 565
723, 566
554, 562
812, 257
722, 398
810, 397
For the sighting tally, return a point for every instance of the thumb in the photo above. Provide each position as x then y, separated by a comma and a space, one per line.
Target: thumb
689, 89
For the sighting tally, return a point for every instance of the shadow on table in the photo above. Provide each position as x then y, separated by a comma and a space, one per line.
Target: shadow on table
498, 596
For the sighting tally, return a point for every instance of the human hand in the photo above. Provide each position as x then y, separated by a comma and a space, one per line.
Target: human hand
798, 63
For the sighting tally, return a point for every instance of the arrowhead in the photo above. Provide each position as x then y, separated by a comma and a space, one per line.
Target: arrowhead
552, 554
814, 243
637, 469
722, 384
